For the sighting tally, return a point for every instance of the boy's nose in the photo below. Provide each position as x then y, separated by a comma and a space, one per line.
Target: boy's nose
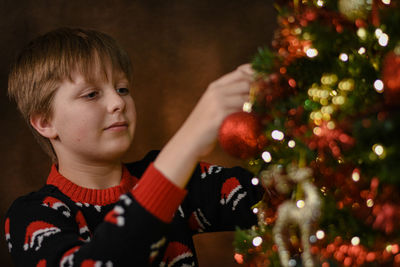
115, 102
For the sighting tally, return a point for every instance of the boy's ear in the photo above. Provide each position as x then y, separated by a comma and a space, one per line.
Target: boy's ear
43, 125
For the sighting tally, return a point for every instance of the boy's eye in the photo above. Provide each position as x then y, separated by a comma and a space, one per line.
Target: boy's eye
91, 95
123, 91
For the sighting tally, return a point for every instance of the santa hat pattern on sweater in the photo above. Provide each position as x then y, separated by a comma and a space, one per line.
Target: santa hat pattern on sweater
93, 263
115, 216
155, 248
56, 204
175, 253
67, 259
198, 222
84, 231
36, 232
7, 232
41, 263
230, 192
208, 169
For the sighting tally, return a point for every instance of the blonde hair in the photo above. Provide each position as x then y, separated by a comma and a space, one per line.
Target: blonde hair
52, 58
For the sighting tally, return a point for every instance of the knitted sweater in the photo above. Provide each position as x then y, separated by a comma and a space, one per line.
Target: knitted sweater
141, 222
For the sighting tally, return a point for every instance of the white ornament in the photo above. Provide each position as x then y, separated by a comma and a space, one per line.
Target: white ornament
290, 213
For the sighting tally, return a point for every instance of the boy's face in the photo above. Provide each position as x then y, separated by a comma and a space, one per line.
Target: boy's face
94, 121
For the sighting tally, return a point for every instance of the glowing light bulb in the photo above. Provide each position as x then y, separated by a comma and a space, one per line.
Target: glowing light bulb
379, 86
355, 175
331, 125
247, 107
312, 52
255, 181
320, 3
383, 39
343, 57
378, 149
292, 263
266, 156
320, 234
362, 33
300, 204
346, 85
257, 241
386, 2
291, 143
317, 130
255, 210
277, 135
355, 241
378, 33
362, 50
370, 203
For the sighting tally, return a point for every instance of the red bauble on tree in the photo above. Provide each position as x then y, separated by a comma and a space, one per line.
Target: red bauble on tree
241, 135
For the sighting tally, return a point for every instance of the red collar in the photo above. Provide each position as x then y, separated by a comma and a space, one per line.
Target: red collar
91, 196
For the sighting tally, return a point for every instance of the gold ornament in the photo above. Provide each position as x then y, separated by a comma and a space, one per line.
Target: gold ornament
301, 212
355, 9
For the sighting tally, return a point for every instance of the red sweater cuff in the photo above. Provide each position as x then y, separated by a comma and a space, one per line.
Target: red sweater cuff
158, 195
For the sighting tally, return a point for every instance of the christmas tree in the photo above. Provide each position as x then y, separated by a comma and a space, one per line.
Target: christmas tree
320, 134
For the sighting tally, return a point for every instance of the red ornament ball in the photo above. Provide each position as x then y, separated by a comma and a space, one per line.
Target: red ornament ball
241, 135
391, 71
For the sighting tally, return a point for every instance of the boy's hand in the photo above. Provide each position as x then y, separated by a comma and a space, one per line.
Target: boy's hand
222, 98
198, 135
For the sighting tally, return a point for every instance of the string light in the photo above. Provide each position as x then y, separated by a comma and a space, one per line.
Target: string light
291, 143
355, 241
292, 263
331, 125
320, 3
247, 107
378, 149
378, 33
255, 210
255, 181
313, 239
317, 130
346, 85
266, 156
312, 52
257, 241
362, 33
379, 86
320, 234
300, 204
329, 79
370, 203
362, 50
338, 100
277, 135
343, 57
355, 175
383, 39
386, 2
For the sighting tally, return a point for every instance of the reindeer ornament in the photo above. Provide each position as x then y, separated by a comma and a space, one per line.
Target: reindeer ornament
290, 214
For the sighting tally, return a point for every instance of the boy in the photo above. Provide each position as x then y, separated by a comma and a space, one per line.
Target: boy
73, 88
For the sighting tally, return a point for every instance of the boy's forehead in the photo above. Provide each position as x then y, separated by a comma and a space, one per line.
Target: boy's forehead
97, 74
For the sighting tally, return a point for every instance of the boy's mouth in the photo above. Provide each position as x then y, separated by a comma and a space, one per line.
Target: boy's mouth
117, 126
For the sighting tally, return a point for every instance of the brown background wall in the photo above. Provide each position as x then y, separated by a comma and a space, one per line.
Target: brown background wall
177, 49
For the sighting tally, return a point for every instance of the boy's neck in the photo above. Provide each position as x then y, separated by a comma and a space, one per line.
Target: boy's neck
92, 176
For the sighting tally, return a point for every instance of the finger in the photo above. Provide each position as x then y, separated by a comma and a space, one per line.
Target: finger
241, 87
246, 68
234, 76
